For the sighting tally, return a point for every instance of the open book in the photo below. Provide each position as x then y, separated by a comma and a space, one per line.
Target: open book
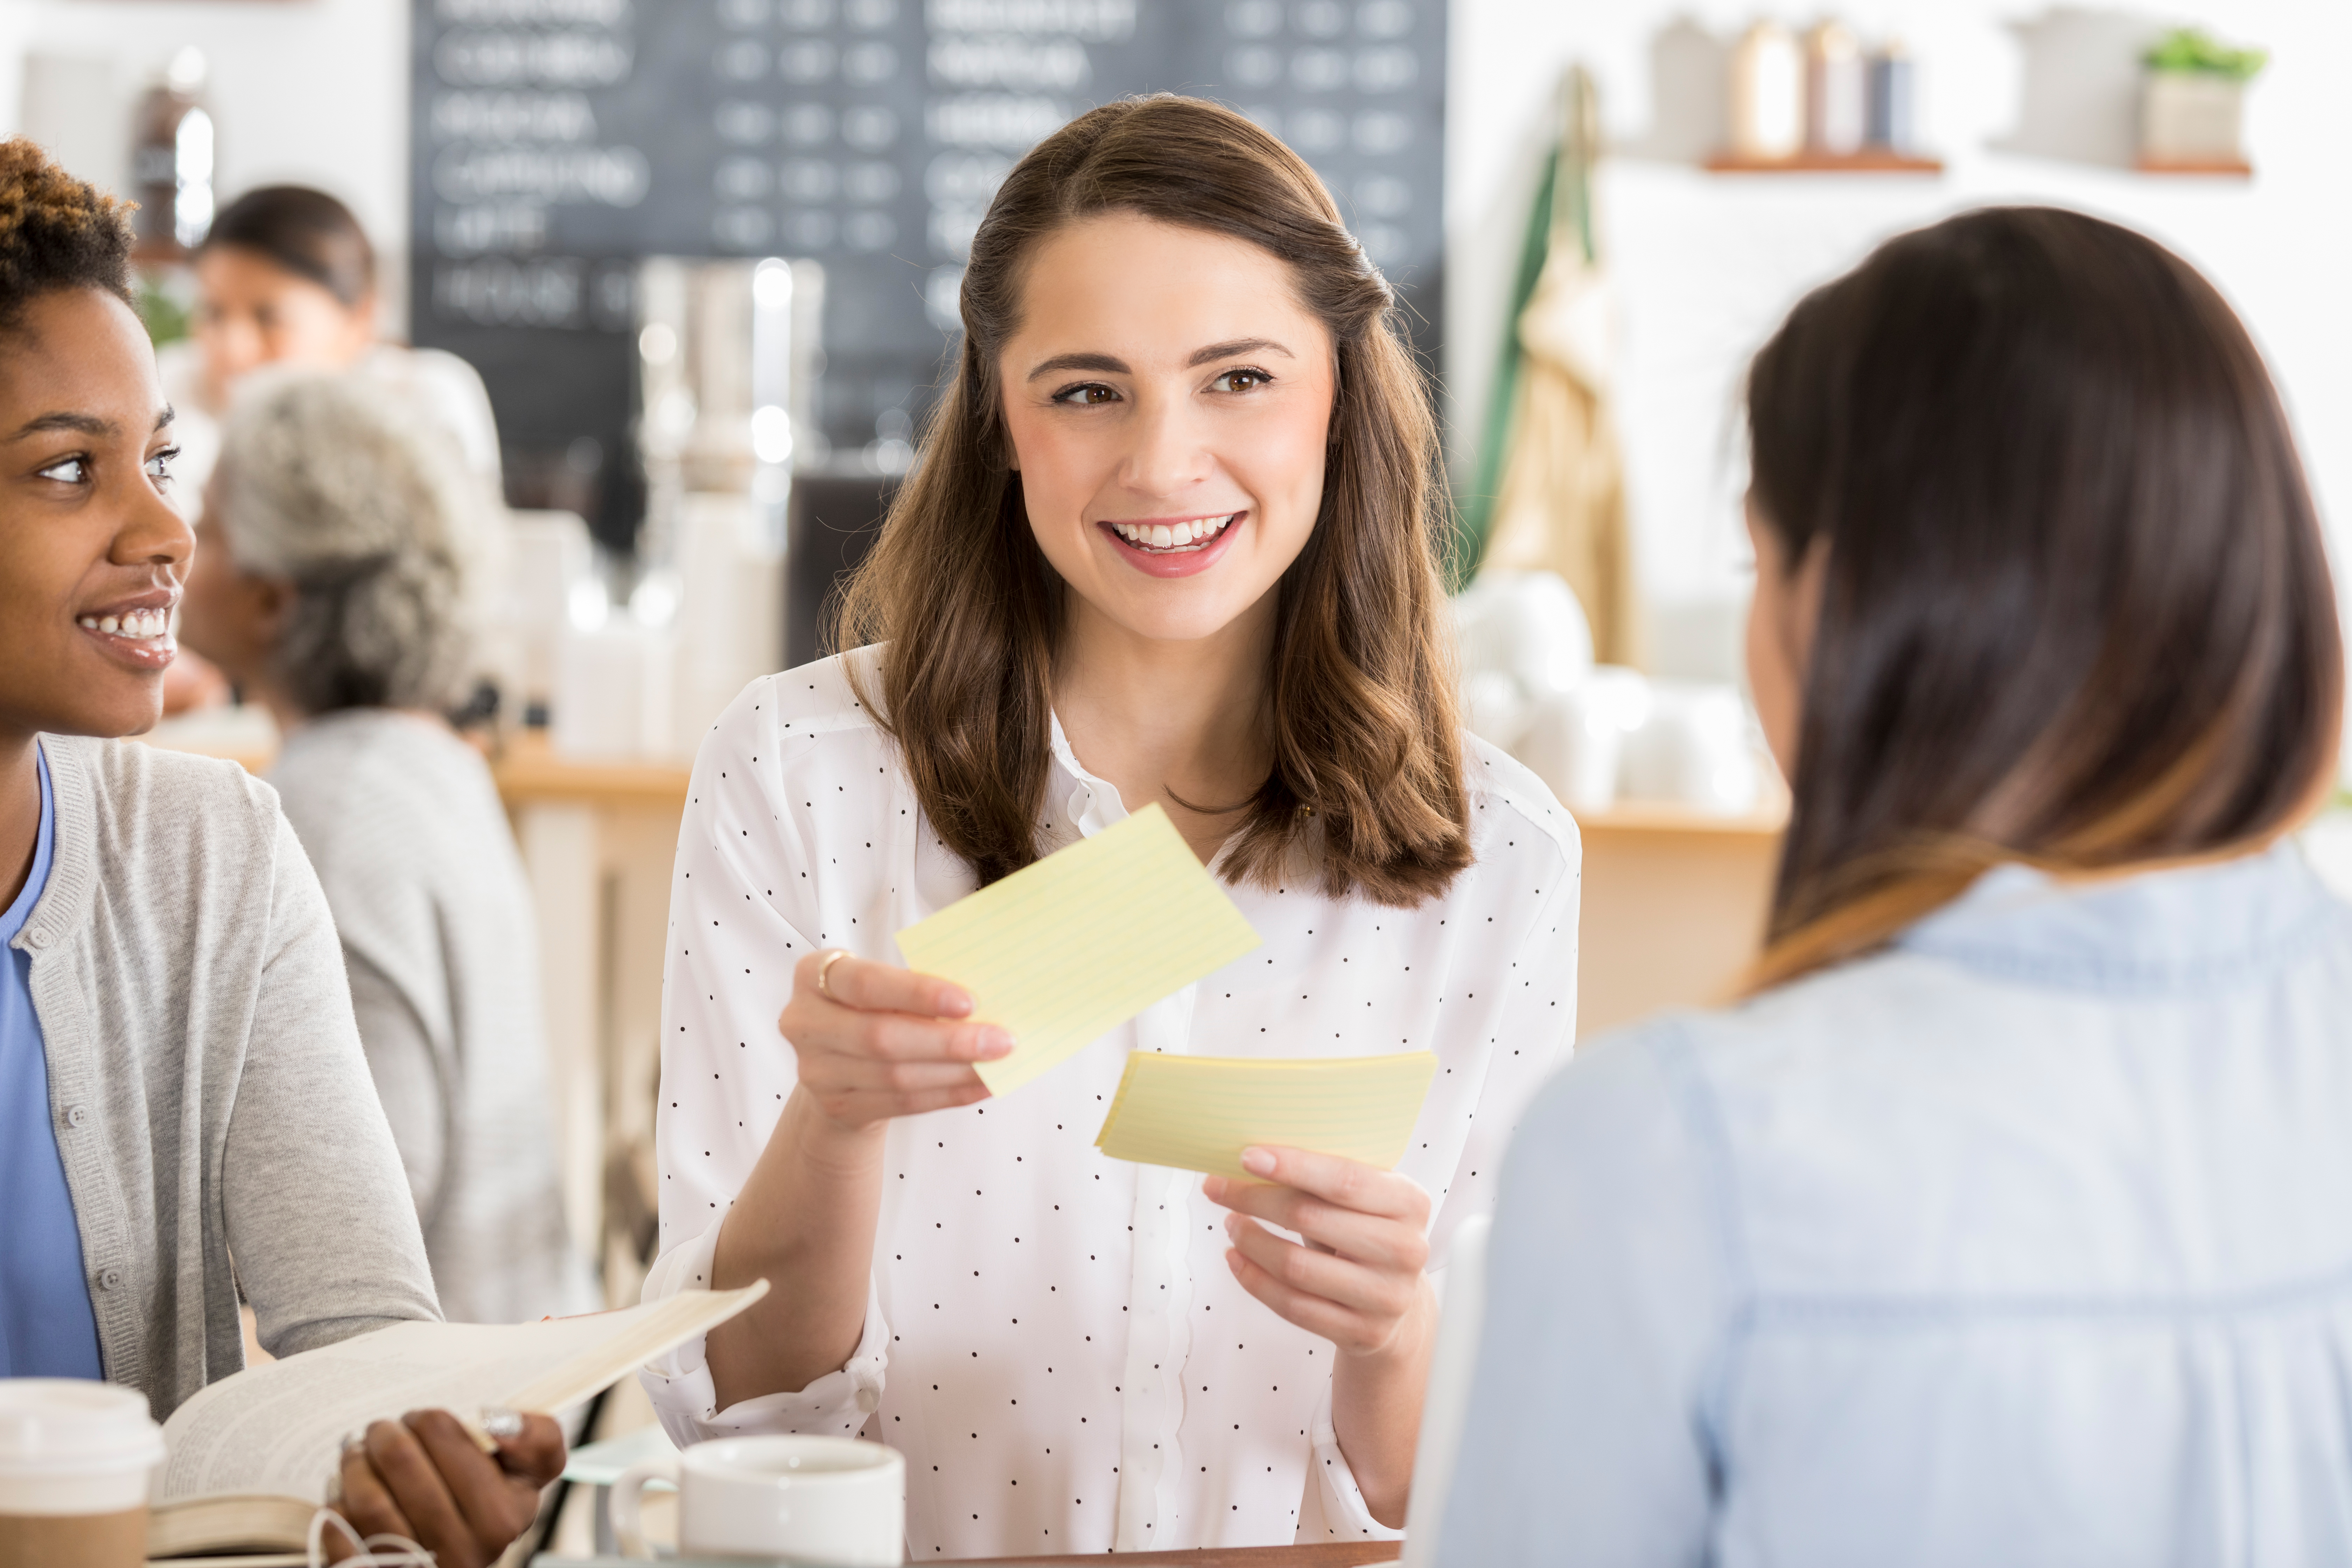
251, 1458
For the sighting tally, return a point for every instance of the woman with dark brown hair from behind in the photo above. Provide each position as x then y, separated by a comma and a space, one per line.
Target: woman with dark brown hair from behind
2006, 1220
1171, 540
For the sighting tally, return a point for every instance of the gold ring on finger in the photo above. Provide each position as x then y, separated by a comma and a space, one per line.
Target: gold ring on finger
824, 970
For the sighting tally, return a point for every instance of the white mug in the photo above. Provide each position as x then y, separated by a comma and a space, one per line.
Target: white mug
831, 1501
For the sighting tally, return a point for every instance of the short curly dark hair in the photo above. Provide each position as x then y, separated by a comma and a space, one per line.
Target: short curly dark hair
57, 232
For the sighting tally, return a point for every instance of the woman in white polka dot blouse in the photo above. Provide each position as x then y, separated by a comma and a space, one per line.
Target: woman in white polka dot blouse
1171, 539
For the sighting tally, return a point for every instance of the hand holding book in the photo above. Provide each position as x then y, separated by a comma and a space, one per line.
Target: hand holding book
251, 1458
425, 1478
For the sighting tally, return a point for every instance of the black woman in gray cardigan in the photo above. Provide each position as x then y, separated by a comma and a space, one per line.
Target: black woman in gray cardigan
184, 1078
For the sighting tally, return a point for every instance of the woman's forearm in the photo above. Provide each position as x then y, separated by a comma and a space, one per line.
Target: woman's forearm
805, 1223
1375, 1410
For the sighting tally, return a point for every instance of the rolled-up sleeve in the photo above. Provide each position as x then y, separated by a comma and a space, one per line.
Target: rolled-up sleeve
686, 1399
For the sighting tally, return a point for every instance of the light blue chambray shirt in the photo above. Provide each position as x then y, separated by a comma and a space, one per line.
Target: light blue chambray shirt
2029, 1241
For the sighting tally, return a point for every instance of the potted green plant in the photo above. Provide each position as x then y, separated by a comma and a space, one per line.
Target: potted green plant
2192, 102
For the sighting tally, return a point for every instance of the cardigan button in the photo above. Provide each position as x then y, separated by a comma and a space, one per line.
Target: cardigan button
37, 937
76, 1115
109, 1278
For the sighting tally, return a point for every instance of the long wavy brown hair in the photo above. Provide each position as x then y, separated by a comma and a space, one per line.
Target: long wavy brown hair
2076, 611
1366, 791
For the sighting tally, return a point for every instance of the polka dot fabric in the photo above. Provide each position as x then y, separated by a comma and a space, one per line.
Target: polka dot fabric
1054, 1339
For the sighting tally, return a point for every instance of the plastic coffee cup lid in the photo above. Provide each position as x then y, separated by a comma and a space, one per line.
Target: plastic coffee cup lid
65, 1426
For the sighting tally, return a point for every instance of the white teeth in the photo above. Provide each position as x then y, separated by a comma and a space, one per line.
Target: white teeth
1173, 536
137, 626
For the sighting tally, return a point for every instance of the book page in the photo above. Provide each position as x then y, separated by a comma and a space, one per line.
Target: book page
1066, 950
278, 1428
1198, 1113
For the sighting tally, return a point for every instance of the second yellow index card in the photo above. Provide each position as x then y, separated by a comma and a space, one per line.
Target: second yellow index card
1064, 951
1198, 1113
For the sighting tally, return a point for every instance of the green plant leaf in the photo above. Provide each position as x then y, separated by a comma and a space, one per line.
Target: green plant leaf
2193, 49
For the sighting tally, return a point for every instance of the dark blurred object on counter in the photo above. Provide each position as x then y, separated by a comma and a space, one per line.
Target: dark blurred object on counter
171, 161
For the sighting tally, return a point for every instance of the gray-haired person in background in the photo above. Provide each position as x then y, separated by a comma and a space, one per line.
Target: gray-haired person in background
335, 583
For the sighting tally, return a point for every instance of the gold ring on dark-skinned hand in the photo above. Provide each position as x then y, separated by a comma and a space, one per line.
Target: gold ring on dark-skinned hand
825, 969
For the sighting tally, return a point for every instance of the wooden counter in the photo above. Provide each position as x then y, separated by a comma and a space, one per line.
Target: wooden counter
1333, 1554
1674, 906
529, 771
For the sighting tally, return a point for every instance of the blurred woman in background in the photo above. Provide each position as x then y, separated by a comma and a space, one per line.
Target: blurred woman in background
2007, 1223
286, 277
334, 584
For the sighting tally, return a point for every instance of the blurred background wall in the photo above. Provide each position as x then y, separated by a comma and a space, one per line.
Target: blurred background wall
2022, 102
309, 92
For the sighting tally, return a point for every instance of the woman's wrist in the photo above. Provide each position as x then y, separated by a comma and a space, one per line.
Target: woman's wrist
830, 1146
1407, 1350
1376, 1398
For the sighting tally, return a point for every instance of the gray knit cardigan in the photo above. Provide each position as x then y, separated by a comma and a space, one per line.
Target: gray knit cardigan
205, 1078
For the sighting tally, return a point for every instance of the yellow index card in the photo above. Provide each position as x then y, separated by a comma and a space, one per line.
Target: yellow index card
1198, 1113
1064, 951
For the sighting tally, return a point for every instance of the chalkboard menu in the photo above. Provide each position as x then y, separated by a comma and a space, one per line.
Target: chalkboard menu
556, 141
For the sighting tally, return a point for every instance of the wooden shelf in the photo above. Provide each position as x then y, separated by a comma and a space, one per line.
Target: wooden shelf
1869, 161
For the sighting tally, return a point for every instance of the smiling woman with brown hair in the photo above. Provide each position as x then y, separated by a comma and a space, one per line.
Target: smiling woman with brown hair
1171, 540
180, 1076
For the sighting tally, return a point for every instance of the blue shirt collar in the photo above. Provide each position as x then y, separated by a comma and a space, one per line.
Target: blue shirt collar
12, 920
2187, 928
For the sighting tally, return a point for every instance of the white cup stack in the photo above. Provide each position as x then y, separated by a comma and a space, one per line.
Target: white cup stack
1595, 732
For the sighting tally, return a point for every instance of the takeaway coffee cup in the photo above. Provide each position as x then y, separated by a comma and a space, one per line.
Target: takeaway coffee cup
835, 1501
76, 1459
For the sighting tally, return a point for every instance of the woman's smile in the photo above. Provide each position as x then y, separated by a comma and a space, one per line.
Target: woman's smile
1173, 546
136, 631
